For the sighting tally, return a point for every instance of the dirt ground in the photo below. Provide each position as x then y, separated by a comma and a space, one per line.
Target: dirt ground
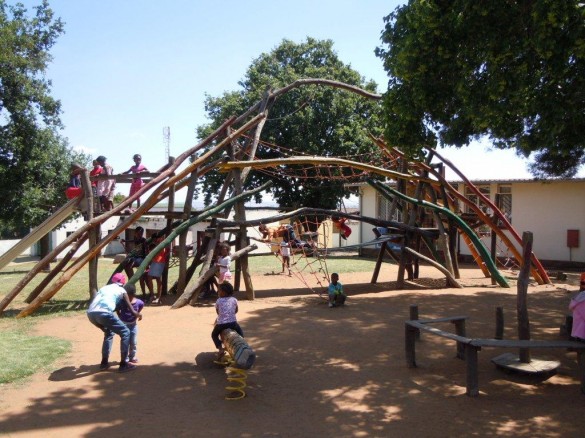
337, 372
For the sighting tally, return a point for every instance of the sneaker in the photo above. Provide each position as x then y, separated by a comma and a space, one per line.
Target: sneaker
134, 360
104, 365
330, 304
124, 368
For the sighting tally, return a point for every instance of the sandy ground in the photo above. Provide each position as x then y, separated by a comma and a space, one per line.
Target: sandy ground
337, 372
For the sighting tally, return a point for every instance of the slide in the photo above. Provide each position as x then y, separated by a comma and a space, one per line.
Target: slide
37, 234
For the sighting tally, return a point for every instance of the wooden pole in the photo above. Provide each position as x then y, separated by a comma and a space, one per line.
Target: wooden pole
182, 279
522, 297
379, 262
171, 209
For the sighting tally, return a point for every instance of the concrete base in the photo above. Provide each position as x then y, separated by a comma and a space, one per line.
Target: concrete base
511, 362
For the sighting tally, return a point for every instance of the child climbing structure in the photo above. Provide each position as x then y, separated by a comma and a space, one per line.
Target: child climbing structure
418, 189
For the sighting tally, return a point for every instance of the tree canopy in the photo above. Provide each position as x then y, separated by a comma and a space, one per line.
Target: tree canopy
311, 120
510, 70
34, 159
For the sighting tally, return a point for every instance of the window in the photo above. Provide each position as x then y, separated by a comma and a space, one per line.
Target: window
469, 194
504, 200
383, 209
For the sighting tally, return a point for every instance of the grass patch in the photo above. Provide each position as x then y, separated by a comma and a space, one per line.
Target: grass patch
23, 354
265, 264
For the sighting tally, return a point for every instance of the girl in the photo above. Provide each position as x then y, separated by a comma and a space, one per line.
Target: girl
223, 263
226, 307
137, 183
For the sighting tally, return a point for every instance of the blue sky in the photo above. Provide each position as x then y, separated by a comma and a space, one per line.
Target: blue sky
125, 69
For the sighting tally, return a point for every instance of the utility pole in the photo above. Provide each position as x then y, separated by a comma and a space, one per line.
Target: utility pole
167, 142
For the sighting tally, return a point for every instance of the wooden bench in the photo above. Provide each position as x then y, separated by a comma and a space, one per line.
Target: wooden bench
468, 348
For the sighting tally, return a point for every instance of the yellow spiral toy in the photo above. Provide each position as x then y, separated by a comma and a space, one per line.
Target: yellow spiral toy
240, 358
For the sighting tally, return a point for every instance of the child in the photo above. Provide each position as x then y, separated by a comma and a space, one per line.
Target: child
106, 187
285, 254
137, 255
97, 170
335, 292
223, 263
101, 313
577, 305
157, 266
226, 307
137, 183
74, 189
129, 318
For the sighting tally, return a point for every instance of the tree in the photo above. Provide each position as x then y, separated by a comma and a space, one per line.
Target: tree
510, 70
312, 120
34, 159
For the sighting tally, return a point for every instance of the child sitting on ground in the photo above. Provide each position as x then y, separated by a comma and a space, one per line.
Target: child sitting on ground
226, 307
335, 291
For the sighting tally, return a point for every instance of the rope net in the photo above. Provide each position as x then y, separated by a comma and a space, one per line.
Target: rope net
308, 251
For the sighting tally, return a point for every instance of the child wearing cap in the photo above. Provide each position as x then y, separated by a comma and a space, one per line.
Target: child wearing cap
102, 314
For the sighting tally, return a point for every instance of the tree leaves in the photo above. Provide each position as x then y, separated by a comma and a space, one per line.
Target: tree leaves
34, 159
510, 70
313, 120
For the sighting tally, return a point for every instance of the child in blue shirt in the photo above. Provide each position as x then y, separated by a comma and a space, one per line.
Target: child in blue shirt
335, 291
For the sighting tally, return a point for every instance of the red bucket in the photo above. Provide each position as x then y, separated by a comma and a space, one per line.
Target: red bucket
73, 192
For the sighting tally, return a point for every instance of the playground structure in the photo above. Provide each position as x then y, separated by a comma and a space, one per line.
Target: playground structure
420, 191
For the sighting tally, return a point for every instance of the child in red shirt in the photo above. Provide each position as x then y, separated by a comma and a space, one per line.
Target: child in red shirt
157, 266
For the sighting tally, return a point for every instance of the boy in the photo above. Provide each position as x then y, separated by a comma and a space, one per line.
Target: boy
129, 318
335, 292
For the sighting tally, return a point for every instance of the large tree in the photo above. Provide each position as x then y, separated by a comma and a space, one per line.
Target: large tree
34, 159
512, 70
313, 119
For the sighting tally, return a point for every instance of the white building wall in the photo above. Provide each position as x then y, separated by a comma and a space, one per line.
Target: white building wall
368, 207
549, 210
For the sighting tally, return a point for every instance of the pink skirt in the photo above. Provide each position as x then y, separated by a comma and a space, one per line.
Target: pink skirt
136, 185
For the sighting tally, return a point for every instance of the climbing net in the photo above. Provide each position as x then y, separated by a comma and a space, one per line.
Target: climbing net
308, 251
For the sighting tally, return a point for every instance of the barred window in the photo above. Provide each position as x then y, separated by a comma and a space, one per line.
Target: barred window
469, 194
383, 210
504, 200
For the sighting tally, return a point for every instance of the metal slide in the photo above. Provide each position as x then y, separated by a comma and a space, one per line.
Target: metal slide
37, 234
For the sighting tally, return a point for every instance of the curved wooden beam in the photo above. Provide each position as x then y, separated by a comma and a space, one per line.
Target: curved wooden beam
262, 164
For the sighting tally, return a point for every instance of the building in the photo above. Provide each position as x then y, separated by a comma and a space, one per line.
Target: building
553, 210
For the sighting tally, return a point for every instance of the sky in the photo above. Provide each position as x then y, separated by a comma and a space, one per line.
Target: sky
124, 70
